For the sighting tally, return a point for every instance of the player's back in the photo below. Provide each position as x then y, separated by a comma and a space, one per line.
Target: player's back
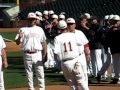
66, 46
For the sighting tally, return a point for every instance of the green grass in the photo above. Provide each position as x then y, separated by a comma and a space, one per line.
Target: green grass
9, 35
15, 79
14, 75
54, 78
14, 54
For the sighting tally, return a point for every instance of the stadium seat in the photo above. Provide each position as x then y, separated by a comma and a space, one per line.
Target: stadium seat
75, 7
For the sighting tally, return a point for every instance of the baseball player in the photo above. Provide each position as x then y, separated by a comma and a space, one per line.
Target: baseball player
83, 49
66, 49
3, 62
33, 44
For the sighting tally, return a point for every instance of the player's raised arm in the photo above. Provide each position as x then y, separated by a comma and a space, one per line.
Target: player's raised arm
18, 37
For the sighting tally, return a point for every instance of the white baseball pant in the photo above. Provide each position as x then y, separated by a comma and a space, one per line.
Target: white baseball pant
83, 62
74, 74
39, 74
30, 65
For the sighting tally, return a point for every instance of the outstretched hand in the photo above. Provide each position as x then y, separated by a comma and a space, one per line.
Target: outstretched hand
21, 34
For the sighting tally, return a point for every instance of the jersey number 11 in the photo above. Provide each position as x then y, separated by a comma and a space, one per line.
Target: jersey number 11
65, 47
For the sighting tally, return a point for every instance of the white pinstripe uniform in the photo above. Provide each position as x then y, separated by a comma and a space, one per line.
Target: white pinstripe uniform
31, 41
2, 45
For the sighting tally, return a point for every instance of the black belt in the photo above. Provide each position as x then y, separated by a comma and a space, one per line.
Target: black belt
67, 59
31, 52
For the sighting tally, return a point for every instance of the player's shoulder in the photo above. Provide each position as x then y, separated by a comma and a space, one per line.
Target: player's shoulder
0, 36
23, 28
39, 28
59, 36
64, 35
78, 31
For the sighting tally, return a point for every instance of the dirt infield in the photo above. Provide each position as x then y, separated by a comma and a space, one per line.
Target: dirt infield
9, 29
65, 87
12, 47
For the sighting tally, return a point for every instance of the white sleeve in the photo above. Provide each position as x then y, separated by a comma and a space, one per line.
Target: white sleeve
43, 36
85, 40
3, 45
17, 36
80, 36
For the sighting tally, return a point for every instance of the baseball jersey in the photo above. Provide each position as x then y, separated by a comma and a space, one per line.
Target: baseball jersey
66, 46
80, 36
2, 44
32, 38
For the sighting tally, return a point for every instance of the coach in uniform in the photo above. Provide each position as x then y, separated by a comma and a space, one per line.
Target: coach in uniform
3, 62
33, 43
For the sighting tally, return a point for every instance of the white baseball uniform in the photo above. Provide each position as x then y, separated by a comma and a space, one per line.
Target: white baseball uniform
67, 49
31, 47
2, 45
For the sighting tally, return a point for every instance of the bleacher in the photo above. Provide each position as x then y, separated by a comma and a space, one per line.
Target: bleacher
73, 8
